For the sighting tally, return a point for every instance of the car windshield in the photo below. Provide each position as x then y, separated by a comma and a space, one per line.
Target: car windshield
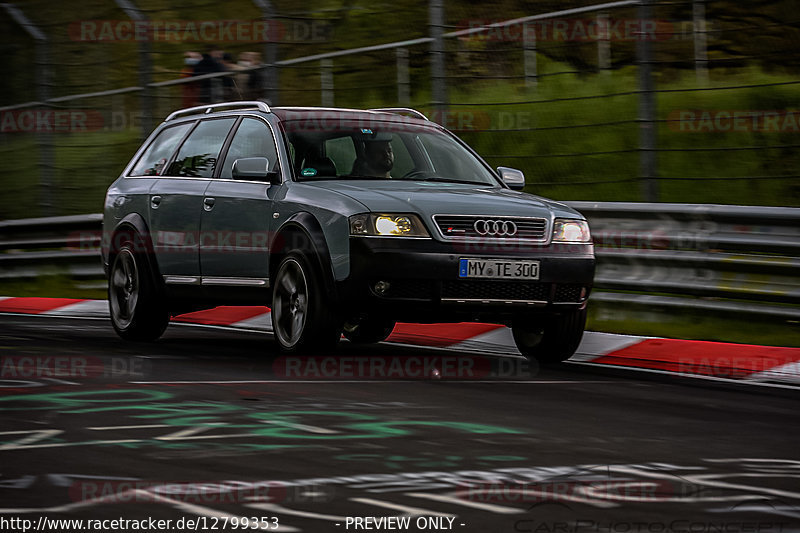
380, 150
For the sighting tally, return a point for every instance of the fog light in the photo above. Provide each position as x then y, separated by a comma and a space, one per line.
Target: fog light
583, 293
381, 287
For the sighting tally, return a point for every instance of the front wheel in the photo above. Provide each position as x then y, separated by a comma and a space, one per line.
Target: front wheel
299, 315
550, 339
137, 307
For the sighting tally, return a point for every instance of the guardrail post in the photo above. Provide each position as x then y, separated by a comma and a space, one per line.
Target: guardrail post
603, 43
403, 78
326, 82
270, 80
44, 138
647, 107
529, 53
145, 66
700, 41
438, 80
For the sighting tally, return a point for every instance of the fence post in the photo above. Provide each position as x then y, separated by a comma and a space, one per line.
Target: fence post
700, 41
44, 138
270, 79
529, 53
403, 79
648, 173
603, 43
145, 66
326, 81
438, 80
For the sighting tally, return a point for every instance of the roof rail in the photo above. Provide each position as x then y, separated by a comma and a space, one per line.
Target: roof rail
403, 110
214, 107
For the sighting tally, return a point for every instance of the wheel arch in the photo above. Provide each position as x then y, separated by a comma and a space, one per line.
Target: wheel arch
135, 225
303, 228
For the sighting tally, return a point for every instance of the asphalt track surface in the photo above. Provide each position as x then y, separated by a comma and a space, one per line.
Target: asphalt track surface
210, 424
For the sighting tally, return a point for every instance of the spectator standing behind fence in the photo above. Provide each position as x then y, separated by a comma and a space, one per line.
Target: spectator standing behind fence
243, 77
255, 88
231, 89
189, 90
209, 90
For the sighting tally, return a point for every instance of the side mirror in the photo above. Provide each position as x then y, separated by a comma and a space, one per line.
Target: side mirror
253, 168
512, 177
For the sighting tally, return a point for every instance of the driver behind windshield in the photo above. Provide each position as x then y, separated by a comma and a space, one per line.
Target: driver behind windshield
377, 161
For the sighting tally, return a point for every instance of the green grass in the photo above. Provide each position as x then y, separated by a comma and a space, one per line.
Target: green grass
53, 286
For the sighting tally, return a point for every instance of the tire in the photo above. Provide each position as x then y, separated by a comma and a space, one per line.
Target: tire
368, 331
136, 304
301, 318
551, 340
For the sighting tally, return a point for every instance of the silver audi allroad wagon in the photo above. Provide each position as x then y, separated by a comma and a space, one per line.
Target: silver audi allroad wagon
341, 221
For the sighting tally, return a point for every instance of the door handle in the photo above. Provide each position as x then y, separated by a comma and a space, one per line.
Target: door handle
208, 203
155, 201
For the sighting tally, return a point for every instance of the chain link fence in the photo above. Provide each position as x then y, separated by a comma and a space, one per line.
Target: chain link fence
675, 101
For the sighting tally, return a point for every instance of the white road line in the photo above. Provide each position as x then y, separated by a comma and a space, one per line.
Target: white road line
413, 511
498, 381
703, 479
445, 498
543, 495
275, 508
65, 444
145, 426
303, 427
692, 376
60, 381
33, 436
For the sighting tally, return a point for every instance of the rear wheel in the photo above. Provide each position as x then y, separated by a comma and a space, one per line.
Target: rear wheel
368, 330
138, 310
551, 339
300, 319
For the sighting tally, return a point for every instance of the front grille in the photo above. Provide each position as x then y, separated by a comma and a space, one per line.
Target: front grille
463, 227
495, 290
568, 294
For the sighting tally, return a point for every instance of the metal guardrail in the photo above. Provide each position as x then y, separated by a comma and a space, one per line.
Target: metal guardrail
740, 259
715, 258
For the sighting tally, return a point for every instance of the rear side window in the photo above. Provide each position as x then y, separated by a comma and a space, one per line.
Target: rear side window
152, 161
197, 158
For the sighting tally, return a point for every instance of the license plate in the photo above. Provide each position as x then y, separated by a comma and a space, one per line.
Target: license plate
498, 269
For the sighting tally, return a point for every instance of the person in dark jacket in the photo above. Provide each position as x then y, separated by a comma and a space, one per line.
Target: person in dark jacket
210, 90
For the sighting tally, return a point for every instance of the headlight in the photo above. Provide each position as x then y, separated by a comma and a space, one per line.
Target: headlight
574, 231
387, 225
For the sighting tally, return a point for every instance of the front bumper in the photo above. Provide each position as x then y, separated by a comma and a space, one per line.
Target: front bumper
424, 284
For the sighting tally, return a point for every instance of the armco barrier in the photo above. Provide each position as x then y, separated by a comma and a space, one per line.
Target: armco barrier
716, 258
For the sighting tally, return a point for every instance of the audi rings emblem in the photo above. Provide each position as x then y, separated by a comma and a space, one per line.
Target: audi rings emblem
495, 228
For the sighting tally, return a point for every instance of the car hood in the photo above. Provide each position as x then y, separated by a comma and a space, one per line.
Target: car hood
432, 198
